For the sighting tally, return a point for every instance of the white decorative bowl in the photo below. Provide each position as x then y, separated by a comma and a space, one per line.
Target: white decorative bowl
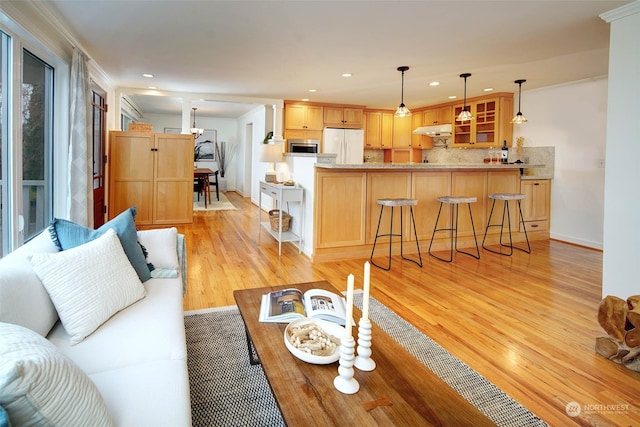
328, 327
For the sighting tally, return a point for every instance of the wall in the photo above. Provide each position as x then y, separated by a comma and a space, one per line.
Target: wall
249, 168
573, 119
621, 268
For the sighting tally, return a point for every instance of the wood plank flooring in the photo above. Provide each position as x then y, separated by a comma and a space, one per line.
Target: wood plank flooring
527, 323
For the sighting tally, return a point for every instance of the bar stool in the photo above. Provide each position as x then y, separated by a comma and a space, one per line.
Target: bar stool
454, 202
505, 197
395, 203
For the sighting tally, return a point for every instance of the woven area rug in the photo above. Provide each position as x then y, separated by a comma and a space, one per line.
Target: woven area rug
223, 205
227, 391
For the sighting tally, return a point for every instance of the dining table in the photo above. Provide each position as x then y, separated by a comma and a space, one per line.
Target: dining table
203, 175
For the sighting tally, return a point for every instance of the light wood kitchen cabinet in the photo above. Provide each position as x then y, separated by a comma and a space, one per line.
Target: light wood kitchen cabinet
386, 185
402, 132
340, 208
491, 123
426, 187
378, 129
419, 140
301, 116
343, 117
302, 134
473, 183
154, 172
536, 205
437, 116
501, 182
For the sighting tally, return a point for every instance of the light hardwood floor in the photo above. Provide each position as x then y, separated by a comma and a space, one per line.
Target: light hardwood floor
527, 323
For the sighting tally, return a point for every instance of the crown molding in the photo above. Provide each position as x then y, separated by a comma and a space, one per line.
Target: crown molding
621, 12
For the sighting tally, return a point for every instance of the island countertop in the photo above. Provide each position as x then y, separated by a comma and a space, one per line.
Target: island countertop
437, 166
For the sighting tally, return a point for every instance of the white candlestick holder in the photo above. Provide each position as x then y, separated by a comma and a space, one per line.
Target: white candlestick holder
344, 382
363, 360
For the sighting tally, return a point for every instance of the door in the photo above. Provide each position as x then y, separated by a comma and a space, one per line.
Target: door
99, 108
354, 146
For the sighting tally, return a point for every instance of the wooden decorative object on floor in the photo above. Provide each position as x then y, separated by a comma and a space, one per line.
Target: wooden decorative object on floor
621, 320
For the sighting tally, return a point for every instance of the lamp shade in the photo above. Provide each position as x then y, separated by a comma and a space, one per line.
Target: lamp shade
271, 153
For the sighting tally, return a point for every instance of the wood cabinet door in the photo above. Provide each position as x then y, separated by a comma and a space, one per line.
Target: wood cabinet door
130, 165
333, 116
535, 206
373, 129
401, 132
426, 187
352, 116
470, 184
386, 185
386, 132
173, 179
340, 209
313, 117
294, 117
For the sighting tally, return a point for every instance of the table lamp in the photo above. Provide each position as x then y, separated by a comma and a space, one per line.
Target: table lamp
272, 154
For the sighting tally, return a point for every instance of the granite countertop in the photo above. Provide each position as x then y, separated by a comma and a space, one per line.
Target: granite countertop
439, 166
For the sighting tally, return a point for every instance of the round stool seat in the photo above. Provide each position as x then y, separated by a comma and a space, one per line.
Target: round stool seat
397, 202
457, 199
506, 196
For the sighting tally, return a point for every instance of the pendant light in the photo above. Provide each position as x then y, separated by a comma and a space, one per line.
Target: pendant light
196, 131
465, 115
402, 110
519, 118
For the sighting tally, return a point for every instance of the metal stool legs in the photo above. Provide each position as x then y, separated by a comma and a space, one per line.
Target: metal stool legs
506, 213
454, 233
391, 235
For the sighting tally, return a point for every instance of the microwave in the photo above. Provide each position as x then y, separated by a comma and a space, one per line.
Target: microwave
303, 146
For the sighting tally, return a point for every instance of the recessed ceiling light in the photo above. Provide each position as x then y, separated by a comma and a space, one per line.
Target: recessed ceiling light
487, 89
453, 97
147, 75
346, 74
305, 99
313, 90
434, 84
152, 87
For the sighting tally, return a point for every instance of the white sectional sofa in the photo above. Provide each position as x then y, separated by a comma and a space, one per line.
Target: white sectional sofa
136, 358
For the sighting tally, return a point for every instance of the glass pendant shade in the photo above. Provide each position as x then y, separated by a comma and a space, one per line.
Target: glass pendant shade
519, 117
402, 110
465, 115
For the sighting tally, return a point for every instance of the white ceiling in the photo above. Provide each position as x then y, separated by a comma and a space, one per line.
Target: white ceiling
281, 49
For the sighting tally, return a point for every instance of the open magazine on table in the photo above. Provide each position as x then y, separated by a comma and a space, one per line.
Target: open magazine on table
289, 304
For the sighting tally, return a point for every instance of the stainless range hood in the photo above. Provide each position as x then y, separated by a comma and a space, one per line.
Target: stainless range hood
435, 130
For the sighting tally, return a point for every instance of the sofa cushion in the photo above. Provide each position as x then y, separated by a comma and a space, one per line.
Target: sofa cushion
151, 329
40, 386
89, 283
23, 299
161, 247
67, 235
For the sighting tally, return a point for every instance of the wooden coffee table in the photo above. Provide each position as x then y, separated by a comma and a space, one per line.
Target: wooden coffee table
400, 391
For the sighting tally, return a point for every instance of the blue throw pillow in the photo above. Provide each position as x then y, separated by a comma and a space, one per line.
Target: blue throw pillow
66, 235
4, 418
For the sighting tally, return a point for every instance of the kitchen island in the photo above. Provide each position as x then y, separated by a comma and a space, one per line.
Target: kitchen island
346, 213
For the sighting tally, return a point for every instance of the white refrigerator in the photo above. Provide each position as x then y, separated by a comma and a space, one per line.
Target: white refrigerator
348, 144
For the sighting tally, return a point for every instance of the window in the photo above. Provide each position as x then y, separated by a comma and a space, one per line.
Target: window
37, 106
5, 223
28, 96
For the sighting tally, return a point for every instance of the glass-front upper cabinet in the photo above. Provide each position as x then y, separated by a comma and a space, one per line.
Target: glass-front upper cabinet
482, 129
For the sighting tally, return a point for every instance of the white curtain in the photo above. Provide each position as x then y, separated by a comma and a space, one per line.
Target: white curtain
80, 202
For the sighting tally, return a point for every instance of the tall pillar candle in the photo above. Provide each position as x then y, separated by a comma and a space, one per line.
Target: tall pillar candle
349, 317
367, 285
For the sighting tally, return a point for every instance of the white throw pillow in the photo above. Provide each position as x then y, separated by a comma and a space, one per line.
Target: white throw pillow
89, 283
161, 247
41, 386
